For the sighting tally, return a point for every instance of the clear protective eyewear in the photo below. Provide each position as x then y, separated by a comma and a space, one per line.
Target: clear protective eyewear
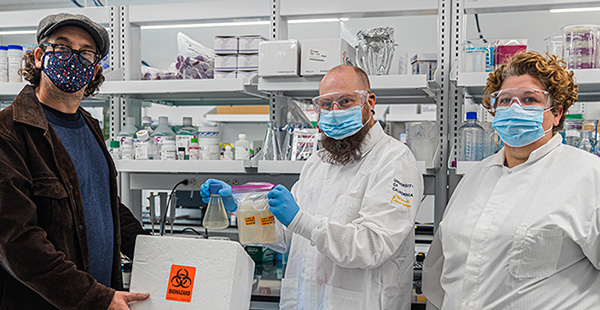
525, 97
63, 52
343, 100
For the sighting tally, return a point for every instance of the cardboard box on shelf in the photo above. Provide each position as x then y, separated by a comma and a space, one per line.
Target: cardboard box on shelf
225, 74
226, 45
248, 44
225, 62
320, 55
247, 61
243, 109
279, 58
190, 273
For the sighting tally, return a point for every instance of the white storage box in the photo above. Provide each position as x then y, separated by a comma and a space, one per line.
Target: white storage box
247, 61
189, 273
225, 75
424, 63
226, 62
226, 45
279, 58
320, 55
249, 44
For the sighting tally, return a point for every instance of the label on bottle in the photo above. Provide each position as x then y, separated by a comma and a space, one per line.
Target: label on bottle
249, 220
168, 154
126, 142
242, 152
183, 144
267, 220
142, 150
194, 153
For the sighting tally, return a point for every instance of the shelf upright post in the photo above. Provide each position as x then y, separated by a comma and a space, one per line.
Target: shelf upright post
277, 31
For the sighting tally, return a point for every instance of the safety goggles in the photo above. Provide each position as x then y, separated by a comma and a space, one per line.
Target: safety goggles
343, 100
525, 97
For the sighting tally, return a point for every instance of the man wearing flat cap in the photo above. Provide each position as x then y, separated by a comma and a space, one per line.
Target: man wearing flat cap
62, 226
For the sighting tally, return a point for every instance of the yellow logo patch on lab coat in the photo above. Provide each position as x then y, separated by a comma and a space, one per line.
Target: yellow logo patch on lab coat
403, 202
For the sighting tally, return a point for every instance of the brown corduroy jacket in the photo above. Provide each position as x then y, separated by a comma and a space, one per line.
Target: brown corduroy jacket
44, 258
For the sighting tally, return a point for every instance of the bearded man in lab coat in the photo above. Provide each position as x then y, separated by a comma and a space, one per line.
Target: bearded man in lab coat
349, 220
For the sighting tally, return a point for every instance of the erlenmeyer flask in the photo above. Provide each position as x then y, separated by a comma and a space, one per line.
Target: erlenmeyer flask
271, 149
215, 216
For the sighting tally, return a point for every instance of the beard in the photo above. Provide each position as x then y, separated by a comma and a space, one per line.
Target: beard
344, 151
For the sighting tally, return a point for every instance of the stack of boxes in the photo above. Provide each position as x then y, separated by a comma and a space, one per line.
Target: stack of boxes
236, 57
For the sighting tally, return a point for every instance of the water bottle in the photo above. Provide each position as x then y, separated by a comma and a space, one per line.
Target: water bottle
125, 136
471, 139
184, 137
162, 133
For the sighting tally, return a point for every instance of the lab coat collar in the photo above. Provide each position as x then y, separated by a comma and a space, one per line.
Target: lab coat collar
498, 159
375, 134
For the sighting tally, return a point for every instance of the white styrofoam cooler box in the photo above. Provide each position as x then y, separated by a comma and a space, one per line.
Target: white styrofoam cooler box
189, 273
320, 55
279, 58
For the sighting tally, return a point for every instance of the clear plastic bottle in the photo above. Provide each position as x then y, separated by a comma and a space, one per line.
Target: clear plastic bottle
183, 137
125, 136
215, 216
162, 133
471, 139
115, 150
143, 145
242, 149
147, 124
227, 154
168, 150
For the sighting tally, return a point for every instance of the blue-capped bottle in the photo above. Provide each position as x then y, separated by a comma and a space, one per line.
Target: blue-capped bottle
215, 216
471, 139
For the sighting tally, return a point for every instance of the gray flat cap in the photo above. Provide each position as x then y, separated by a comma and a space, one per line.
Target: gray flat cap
52, 22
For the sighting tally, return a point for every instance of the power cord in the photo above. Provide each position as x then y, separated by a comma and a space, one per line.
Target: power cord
163, 218
77, 3
479, 29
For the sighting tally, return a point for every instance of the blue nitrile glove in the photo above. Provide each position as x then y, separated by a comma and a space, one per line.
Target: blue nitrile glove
282, 204
224, 192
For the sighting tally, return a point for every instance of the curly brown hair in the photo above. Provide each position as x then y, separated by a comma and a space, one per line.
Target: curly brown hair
33, 74
549, 70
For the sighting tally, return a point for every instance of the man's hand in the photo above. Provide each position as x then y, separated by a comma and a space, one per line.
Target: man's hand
224, 192
282, 204
121, 300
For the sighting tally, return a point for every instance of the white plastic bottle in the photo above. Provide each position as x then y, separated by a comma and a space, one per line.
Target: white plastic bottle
161, 134
115, 150
208, 135
194, 149
125, 136
168, 150
183, 138
15, 57
3, 64
227, 154
144, 149
471, 139
242, 149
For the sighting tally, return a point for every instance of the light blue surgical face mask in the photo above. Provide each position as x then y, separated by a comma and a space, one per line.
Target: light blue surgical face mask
518, 126
340, 124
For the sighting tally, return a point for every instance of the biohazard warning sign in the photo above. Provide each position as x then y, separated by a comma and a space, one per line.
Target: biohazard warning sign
181, 283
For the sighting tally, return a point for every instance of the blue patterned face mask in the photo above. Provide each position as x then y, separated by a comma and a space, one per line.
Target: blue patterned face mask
340, 124
518, 126
67, 75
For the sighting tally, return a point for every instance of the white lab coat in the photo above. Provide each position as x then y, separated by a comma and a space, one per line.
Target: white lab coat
352, 242
520, 238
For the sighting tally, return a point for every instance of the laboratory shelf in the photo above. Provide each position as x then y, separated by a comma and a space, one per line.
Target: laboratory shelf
180, 166
462, 167
389, 89
507, 6
237, 118
280, 166
188, 92
185, 13
292, 9
588, 81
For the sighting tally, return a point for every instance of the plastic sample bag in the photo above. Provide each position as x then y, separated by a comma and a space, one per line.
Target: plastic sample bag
194, 61
256, 224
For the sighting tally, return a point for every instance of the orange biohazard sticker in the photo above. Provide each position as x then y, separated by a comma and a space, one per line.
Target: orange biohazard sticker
181, 283
249, 220
267, 220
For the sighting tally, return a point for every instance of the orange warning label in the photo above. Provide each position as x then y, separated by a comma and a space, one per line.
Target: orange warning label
181, 283
267, 220
249, 220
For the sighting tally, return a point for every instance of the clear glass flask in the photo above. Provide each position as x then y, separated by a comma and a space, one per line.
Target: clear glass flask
215, 216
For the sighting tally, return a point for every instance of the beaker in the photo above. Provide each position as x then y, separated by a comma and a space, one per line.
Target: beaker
581, 46
376, 50
215, 216
554, 46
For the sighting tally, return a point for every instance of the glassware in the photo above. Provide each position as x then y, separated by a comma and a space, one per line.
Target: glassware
422, 139
215, 216
376, 50
554, 46
477, 56
271, 149
581, 46
471, 139
572, 127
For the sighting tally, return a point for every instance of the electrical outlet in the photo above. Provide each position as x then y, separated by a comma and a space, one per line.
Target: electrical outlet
193, 182
235, 182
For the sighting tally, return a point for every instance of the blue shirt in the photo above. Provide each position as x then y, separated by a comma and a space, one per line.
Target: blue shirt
92, 173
